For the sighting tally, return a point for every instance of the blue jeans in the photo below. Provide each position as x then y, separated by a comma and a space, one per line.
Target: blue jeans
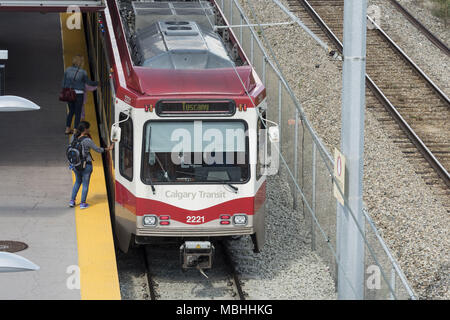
82, 177
75, 108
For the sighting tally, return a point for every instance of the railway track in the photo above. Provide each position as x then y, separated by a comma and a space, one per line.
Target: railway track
409, 105
166, 280
435, 40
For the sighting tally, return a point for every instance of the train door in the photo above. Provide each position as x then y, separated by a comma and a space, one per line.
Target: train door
125, 177
125, 157
260, 184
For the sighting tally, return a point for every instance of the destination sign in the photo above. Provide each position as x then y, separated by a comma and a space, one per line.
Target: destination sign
186, 108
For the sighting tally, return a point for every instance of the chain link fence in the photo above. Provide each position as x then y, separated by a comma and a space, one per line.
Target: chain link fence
309, 167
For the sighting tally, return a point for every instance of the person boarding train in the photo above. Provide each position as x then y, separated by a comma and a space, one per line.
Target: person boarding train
83, 172
76, 78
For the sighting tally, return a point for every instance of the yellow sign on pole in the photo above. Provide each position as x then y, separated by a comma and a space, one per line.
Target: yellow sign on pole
339, 175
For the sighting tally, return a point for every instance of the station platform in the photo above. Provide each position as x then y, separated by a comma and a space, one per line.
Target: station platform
74, 248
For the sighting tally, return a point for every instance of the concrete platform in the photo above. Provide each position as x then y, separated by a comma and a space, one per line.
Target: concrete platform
35, 182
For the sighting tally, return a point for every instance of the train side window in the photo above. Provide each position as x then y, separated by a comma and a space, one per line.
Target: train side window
126, 148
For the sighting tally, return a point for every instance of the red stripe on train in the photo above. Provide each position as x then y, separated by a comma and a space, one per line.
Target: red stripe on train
141, 206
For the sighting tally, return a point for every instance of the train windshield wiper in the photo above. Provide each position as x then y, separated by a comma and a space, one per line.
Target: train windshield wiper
149, 179
166, 175
235, 189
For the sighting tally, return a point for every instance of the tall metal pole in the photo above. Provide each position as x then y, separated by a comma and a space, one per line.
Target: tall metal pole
350, 242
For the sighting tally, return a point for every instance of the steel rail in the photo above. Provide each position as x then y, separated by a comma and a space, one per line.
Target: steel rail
232, 270
151, 283
229, 266
435, 40
414, 138
435, 87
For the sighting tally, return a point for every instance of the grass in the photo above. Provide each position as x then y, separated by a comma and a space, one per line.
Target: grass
441, 9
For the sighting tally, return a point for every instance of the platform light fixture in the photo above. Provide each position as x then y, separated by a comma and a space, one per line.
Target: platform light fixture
10, 262
14, 103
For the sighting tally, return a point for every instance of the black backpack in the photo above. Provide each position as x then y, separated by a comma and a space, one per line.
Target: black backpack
75, 154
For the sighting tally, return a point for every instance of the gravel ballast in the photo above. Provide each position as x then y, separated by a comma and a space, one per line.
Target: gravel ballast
422, 11
411, 219
427, 56
286, 268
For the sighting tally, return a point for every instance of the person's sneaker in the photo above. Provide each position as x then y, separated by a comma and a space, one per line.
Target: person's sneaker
71, 203
84, 205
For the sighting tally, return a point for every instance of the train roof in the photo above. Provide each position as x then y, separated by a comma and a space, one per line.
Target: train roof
179, 45
177, 35
195, 82
147, 13
174, 49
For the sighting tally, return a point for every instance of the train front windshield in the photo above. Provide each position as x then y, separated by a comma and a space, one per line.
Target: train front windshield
205, 151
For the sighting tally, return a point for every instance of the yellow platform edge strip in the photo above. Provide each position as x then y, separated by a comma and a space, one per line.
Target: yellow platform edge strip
99, 279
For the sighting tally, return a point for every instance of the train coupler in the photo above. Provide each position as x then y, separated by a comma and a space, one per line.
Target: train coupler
197, 254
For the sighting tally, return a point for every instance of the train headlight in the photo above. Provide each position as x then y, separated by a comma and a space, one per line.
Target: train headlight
240, 219
149, 221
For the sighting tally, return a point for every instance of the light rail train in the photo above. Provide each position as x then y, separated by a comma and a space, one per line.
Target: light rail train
185, 106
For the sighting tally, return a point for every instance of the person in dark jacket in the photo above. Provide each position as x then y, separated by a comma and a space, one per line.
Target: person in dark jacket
76, 77
84, 176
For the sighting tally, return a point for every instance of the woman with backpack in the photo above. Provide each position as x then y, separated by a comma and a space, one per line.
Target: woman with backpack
82, 142
76, 78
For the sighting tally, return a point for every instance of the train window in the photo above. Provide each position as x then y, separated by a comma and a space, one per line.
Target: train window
126, 148
205, 151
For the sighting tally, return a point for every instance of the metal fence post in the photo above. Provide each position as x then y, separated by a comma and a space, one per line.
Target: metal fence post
231, 12
280, 122
264, 59
241, 29
313, 230
251, 48
393, 274
294, 193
